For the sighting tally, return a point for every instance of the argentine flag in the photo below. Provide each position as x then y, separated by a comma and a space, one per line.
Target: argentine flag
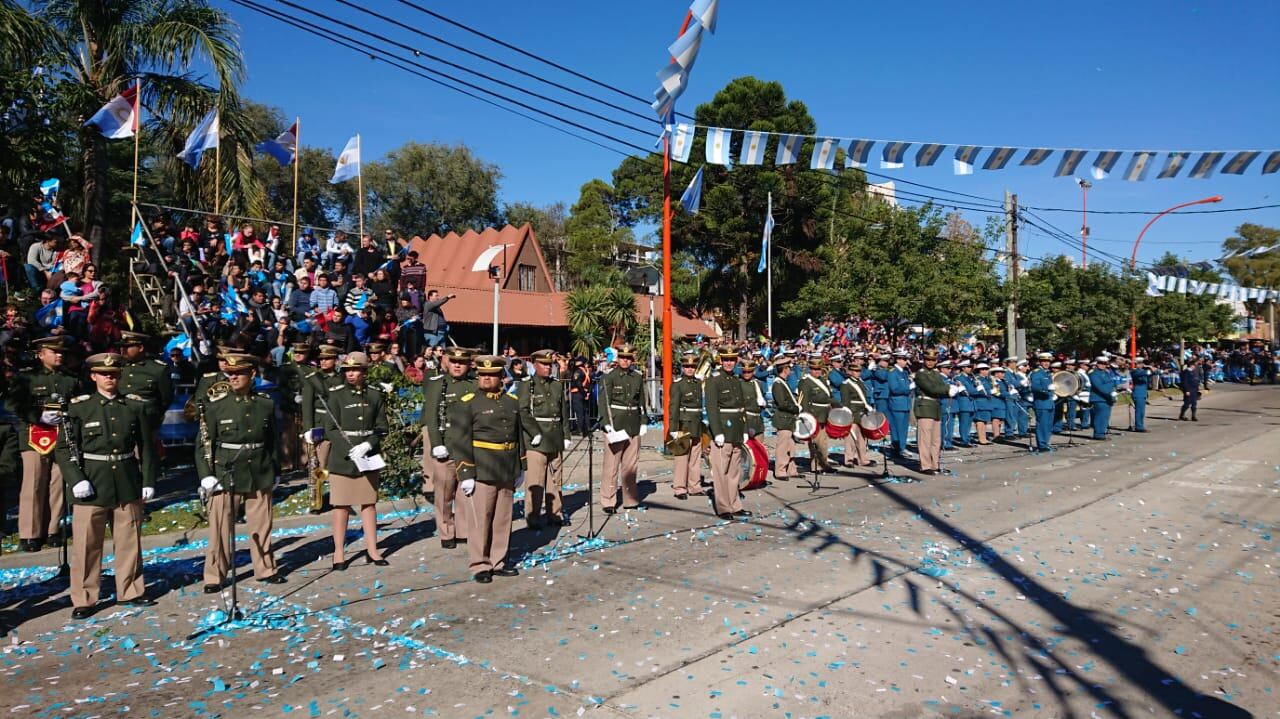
768, 237
692, 197
136, 238
204, 137
788, 149
682, 142
718, 140
753, 147
348, 162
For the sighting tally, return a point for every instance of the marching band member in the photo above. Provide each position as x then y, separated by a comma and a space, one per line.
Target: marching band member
1000, 393
815, 398
899, 387
752, 399
1140, 377
684, 407
439, 445
876, 378
931, 389
965, 402
1082, 397
546, 431
857, 399
785, 410
982, 401
355, 424
1102, 395
725, 410
1019, 420
948, 405
622, 400
316, 382
1043, 400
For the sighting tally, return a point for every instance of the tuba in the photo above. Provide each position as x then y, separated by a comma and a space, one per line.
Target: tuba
706, 362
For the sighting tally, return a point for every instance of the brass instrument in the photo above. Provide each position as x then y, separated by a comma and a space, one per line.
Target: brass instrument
69, 432
706, 362
995, 388
1067, 384
317, 476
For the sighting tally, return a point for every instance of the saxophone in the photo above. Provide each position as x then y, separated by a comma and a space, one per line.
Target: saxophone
220, 387
316, 476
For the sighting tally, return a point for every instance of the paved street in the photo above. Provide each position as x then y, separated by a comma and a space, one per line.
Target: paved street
1130, 577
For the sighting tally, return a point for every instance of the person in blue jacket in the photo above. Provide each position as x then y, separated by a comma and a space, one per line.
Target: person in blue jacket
948, 406
836, 378
1012, 401
876, 378
899, 387
965, 403
1140, 377
982, 402
1043, 401
1000, 393
1102, 394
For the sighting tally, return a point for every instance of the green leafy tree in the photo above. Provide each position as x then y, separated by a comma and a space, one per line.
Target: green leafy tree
432, 189
548, 222
1256, 259
597, 225
600, 316
1069, 309
1174, 316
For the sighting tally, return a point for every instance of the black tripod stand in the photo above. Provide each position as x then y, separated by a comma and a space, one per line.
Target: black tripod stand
592, 532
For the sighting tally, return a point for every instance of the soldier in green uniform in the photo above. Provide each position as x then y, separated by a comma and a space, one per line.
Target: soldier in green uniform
110, 466
315, 383
684, 408
815, 398
931, 389
545, 418
35, 398
785, 411
726, 422
209, 379
289, 379
623, 410
145, 378
355, 424
486, 424
752, 400
237, 451
439, 471
856, 397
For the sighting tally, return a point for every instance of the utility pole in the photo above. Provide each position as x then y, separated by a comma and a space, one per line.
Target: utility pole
1011, 272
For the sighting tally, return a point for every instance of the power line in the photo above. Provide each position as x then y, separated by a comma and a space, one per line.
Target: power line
1158, 212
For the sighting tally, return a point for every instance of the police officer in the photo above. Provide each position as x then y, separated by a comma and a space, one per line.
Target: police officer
439, 445
815, 398
109, 464
684, 408
856, 397
785, 411
355, 424
1140, 377
1043, 400
931, 389
545, 418
726, 421
899, 388
242, 441
623, 410
752, 400
36, 396
1102, 395
145, 378
487, 426
315, 383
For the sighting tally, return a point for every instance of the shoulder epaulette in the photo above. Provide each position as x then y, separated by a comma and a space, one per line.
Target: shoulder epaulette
209, 374
134, 397
467, 397
81, 398
512, 395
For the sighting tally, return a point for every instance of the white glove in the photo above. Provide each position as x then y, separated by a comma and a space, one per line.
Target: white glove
1026, 383
674, 435
608, 428
1053, 386
50, 416
359, 451
719, 440
82, 490
519, 480
468, 487
567, 444
440, 452
1115, 395
386, 386
210, 484
955, 390
297, 399
537, 440
913, 384
643, 428
148, 493
313, 435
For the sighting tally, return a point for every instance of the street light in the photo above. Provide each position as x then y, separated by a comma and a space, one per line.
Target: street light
1084, 222
1133, 266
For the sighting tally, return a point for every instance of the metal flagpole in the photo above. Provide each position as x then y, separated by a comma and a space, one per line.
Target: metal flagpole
297, 160
768, 269
217, 171
360, 190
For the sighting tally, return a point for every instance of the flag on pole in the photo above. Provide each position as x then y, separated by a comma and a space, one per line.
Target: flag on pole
1138, 166
49, 189
706, 12
753, 144
179, 342
136, 238
685, 49
348, 162
284, 147
204, 137
233, 305
692, 197
672, 79
788, 149
718, 140
768, 236
682, 142
965, 158
118, 118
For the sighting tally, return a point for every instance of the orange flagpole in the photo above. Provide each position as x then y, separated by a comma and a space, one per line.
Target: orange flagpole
668, 344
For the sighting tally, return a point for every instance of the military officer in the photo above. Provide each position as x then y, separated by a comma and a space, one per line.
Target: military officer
109, 464
1001, 390
378, 357
237, 459
36, 396
684, 408
856, 397
1140, 377
815, 398
931, 389
209, 379
439, 445
145, 378
752, 399
785, 411
289, 375
623, 410
355, 424
487, 426
544, 416
1043, 400
315, 383
726, 421
1102, 395
899, 387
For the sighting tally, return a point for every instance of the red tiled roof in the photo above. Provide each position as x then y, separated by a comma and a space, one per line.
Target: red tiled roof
682, 323
449, 258
475, 306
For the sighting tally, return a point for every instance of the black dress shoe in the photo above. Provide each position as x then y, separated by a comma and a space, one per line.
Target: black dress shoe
431, 497
631, 507
682, 497
83, 612
54, 541
610, 510
379, 562
143, 601
744, 513
534, 525
725, 515
273, 579
506, 572
341, 566
483, 577
212, 588
31, 545
449, 543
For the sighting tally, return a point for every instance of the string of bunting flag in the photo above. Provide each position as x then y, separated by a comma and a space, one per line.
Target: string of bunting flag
1158, 285
752, 149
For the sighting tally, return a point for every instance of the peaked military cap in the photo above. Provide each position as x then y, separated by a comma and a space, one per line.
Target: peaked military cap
490, 365
543, 356
238, 362
128, 338
726, 353
328, 352
458, 354
105, 363
57, 343
689, 361
356, 360
626, 351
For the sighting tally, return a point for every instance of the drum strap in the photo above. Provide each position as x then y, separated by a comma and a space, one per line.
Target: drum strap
862, 396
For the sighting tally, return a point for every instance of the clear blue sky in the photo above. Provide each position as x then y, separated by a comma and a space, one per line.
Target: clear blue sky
1123, 75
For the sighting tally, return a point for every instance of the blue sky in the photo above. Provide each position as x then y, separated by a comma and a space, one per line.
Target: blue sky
1113, 75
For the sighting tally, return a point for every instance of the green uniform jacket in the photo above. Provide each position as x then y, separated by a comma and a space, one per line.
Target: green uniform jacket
492, 418
316, 382
751, 407
850, 399
542, 412
785, 407
148, 379
723, 393
290, 376
931, 389
684, 406
108, 427
622, 399
442, 393
207, 380
360, 415
31, 390
815, 397
232, 419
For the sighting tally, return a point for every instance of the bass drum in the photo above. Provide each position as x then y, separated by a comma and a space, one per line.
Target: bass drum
839, 422
874, 426
755, 465
806, 426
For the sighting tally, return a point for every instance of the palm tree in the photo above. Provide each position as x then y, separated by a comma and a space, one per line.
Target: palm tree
98, 47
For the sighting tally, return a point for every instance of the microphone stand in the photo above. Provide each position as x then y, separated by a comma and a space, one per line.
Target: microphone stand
229, 477
591, 483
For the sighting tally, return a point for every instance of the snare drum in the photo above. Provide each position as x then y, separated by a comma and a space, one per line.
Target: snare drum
806, 426
755, 465
874, 426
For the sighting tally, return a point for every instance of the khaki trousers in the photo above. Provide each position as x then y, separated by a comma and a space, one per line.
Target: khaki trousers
542, 485
620, 457
687, 478
491, 532
784, 463
818, 451
453, 519
40, 500
929, 442
855, 447
257, 514
90, 526
726, 471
